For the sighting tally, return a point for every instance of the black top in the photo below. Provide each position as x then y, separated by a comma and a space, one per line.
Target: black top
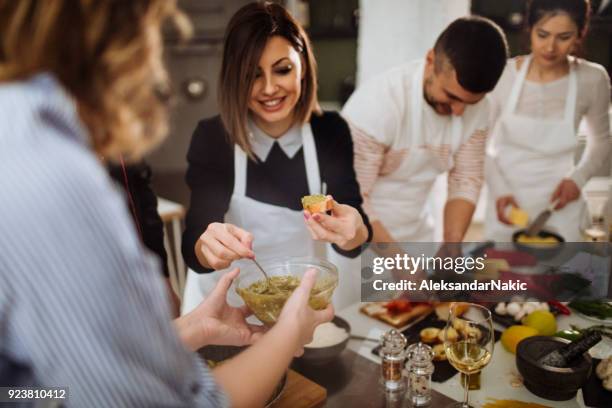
135, 180
279, 180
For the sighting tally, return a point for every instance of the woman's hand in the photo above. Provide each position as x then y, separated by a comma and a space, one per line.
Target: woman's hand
221, 244
216, 322
566, 192
501, 205
250, 377
297, 319
344, 227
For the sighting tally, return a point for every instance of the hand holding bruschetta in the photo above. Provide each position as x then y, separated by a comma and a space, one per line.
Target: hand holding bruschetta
343, 225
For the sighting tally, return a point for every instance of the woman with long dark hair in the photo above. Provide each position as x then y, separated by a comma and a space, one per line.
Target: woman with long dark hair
539, 103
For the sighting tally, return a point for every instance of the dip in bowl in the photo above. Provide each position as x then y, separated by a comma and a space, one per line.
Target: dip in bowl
285, 275
545, 245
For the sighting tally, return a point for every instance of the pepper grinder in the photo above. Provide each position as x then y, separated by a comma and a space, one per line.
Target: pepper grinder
393, 344
420, 369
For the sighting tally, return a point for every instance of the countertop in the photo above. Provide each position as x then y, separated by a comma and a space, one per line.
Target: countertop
495, 378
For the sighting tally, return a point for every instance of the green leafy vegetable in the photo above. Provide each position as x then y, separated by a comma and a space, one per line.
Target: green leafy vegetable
595, 308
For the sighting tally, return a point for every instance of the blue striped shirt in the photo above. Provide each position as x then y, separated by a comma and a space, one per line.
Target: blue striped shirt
82, 304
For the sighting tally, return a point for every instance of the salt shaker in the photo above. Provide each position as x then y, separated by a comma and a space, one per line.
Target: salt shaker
420, 369
393, 344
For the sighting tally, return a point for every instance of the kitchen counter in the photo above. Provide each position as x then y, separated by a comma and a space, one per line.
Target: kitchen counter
495, 378
354, 381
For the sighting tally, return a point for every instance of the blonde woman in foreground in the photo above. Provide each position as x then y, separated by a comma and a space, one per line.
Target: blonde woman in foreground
82, 304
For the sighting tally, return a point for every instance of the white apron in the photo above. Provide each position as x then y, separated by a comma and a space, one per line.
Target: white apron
535, 155
277, 231
400, 197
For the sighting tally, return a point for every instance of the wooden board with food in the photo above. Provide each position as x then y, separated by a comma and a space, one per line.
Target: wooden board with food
430, 330
397, 313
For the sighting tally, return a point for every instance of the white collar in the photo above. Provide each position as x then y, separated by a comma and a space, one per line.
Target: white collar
262, 143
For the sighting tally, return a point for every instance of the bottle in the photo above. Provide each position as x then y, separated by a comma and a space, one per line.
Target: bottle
420, 369
393, 356
563, 356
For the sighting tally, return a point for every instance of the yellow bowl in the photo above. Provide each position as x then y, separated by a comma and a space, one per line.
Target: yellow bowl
286, 274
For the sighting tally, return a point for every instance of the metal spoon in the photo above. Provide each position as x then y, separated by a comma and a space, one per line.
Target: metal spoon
268, 281
355, 337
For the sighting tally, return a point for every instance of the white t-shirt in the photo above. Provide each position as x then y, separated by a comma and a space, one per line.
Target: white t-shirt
381, 108
379, 113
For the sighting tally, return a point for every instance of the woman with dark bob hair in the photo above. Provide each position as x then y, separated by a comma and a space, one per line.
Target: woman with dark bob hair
539, 103
270, 146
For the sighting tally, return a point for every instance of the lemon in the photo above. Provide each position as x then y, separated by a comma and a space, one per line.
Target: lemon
544, 322
511, 337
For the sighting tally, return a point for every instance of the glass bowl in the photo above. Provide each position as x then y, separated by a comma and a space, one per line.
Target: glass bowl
286, 274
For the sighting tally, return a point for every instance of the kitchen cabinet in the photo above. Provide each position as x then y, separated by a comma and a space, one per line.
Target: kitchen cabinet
194, 70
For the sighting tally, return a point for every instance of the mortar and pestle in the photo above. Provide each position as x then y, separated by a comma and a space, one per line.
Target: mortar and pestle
553, 383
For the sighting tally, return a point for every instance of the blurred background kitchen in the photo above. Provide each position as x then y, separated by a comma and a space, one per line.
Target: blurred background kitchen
353, 40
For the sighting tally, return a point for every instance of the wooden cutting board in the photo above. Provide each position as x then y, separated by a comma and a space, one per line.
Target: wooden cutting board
300, 392
378, 311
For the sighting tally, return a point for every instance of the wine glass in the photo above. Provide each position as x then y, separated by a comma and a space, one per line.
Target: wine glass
468, 341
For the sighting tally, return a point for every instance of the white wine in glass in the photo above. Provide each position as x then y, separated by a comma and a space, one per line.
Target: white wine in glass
468, 341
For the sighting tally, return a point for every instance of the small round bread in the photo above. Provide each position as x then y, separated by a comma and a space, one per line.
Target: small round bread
317, 203
607, 383
429, 335
461, 307
471, 332
604, 368
439, 354
451, 335
459, 324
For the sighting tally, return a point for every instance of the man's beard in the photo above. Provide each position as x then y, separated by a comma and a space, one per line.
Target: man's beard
443, 109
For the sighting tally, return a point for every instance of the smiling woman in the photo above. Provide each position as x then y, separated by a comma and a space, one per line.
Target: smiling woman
267, 59
270, 146
277, 87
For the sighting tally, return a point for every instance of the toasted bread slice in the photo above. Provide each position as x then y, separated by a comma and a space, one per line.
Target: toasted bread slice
518, 217
317, 203
378, 311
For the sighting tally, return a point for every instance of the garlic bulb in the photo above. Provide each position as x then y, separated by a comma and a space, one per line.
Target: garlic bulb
513, 308
500, 309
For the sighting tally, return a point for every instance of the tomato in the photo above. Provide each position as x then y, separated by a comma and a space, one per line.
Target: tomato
398, 306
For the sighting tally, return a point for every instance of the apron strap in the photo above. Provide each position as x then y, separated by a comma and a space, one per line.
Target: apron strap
570, 101
416, 106
572, 90
518, 85
310, 160
240, 170
456, 133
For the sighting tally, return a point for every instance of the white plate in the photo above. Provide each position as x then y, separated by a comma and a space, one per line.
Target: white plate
593, 318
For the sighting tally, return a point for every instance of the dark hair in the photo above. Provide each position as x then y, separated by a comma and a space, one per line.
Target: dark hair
578, 10
245, 39
477, 49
